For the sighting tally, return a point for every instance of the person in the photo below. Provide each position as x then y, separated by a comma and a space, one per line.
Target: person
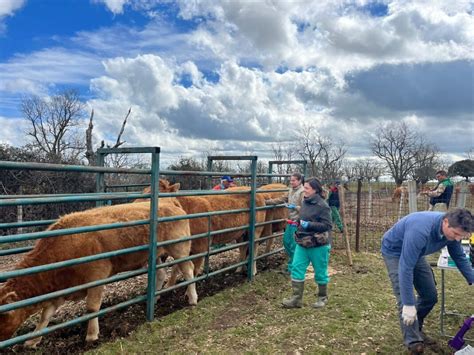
226, 182
293, 201
404, 247
440, 196
334, 203
312, 245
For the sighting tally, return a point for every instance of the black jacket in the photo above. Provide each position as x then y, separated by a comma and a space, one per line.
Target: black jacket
317, 212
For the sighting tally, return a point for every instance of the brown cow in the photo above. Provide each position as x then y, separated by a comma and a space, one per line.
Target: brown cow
274, 213
397, 194
211, 203
67, 247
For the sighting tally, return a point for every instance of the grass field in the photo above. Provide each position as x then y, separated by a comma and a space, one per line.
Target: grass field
359, 319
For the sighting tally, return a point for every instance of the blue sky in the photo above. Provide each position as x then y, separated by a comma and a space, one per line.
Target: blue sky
239, 76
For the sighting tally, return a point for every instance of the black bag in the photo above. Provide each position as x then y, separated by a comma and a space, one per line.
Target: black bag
312, 240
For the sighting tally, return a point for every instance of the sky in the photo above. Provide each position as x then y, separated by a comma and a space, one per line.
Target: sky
239, 76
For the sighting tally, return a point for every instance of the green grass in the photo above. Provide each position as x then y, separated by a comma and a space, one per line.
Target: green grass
360, 317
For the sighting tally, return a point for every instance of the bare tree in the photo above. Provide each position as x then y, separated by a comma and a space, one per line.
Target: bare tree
368, 169
426, 162
398, 146
54, 124
91, 156
323, 154
470, 153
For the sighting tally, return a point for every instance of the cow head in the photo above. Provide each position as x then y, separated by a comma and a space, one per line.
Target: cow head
165, 186
10, 321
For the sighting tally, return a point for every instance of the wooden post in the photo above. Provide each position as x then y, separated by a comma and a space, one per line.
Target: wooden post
359, 190
343, 217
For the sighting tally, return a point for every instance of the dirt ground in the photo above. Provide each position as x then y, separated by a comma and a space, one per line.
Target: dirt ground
122, 322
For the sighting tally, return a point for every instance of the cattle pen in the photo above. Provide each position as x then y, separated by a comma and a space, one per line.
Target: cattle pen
369, 210
102, 197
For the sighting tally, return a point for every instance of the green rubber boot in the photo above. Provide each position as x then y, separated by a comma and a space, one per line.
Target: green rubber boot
295, 301
322, 296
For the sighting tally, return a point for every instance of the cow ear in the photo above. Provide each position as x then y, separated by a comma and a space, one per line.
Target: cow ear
10, 297
175, 187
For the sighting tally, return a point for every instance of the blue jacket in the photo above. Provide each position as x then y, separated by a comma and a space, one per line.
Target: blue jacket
414, 236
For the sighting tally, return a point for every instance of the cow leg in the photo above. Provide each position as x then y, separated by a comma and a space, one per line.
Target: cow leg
46, 315
160, 278
198, 266
268, 246
187, 268
93, 303
173, 276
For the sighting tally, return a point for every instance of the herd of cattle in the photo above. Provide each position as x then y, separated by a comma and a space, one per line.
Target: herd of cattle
66, 247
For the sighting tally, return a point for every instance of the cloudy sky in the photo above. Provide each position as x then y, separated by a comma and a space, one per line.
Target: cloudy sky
235, 76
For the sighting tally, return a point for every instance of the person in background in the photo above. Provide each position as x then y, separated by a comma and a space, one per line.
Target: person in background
440, 196
404, 247
226, 182
333, 202
312, 245
293, 201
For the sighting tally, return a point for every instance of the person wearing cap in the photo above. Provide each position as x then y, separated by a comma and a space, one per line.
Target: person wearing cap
334, 203
440, 196
313, 245
226, 182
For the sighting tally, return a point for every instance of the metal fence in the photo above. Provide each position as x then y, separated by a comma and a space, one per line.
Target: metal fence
100, 197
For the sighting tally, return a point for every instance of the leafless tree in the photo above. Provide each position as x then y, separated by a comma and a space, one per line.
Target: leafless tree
325, 156
426, 162
55, 124
399, 146
470, 153
118, 160
368, 169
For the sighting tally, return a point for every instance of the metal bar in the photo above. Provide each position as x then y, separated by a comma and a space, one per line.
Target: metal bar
151, 286
55, 233
70, 262
73, 198
5, 252
100, 178
128, 150
231, 157
45, 222
63, 167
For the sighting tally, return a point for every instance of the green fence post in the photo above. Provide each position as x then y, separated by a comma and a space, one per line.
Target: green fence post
209, 168
270, 171
252, 212
155, 184
100, 179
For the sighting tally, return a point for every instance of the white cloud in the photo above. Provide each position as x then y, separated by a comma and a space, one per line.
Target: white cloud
8, 8
13, 131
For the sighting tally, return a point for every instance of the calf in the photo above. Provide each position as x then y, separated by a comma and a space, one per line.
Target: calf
55, 249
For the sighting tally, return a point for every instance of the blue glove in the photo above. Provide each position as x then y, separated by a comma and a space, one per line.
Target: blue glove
290, 206
304, 224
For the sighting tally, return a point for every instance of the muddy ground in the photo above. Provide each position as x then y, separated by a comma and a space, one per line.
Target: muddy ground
121, 323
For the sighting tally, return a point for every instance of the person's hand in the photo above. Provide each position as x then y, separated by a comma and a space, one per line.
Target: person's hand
409, 315
290, 206
304, 224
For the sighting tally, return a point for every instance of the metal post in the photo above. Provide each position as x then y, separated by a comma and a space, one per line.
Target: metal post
209, 168
100, 179
155, 179
412, 196
252, 216
270, 171
461, 201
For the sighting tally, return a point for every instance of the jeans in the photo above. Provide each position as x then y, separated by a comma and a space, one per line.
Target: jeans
423, 280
